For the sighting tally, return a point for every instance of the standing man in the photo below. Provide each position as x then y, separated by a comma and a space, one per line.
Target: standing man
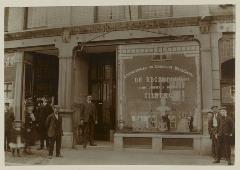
88, 120
54, 132
8, 122
224, 133
212, 132
212, 129
45, 111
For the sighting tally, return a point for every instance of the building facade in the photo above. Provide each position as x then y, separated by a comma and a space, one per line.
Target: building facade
143, 65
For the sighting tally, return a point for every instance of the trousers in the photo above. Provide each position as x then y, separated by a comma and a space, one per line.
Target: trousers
52, 140
88, 132
223, 147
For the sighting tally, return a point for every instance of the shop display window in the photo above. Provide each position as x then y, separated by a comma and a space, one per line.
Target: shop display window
156, 93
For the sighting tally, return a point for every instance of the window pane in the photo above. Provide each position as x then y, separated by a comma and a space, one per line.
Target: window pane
108, 13
36, 17
155, 11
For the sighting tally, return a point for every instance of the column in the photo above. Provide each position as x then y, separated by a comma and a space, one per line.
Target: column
206, 69
215, 36
18, 91
65, 89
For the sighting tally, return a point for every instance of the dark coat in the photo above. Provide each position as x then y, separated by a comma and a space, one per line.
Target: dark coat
45, 111
88, 112
225, 126
8, 120
29, 128
54, 126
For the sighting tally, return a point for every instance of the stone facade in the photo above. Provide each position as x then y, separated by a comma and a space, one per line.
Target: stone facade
65, 30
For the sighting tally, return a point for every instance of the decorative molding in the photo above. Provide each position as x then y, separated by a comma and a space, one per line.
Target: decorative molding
106, 27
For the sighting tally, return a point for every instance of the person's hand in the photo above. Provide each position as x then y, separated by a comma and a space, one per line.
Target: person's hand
96, 122
216, 136
230, 134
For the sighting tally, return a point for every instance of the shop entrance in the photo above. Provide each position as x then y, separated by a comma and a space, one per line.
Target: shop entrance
102, 86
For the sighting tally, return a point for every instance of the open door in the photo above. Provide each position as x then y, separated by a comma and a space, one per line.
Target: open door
102, 86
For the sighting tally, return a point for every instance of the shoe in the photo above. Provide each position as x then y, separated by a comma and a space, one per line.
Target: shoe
216, 161
59, 156
84, 146
50, 157
229, 162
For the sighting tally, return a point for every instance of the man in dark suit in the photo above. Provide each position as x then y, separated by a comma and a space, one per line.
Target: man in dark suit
88, 121
54, 131
8, 122
45, 111
224, 132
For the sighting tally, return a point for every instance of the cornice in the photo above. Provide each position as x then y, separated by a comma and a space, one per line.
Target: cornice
116, 26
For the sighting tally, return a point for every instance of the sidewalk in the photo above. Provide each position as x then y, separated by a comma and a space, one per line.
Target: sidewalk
108, 156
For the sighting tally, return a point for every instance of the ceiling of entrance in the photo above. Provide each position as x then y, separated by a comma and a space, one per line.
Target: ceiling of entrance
53, 52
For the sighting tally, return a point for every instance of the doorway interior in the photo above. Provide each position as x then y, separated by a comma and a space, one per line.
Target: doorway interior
41, 75
102, 87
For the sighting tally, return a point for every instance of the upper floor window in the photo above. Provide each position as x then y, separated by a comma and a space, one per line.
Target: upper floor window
110, 13
155, 11
36, 17
227, 47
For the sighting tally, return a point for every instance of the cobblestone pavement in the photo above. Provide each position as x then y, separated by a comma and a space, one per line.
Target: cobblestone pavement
109, 156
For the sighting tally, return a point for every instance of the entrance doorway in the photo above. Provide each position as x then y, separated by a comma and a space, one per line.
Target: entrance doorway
102, 87
41, 76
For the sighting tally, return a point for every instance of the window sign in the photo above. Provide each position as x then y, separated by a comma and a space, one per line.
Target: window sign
159, 87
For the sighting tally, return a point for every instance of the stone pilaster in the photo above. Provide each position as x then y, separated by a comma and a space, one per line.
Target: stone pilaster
206, 69
65, 89
215, 36
18, 91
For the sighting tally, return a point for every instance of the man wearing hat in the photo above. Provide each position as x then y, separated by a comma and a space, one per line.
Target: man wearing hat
212, 128
211, 131
88, 121
45, 111
224, 133
8, 121
54, 131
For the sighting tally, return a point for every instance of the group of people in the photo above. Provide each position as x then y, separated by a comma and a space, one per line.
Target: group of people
44, 121
221, 131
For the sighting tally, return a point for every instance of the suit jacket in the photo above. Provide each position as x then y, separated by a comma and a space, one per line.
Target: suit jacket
54, 126
45, 111
88, 112
225, 126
